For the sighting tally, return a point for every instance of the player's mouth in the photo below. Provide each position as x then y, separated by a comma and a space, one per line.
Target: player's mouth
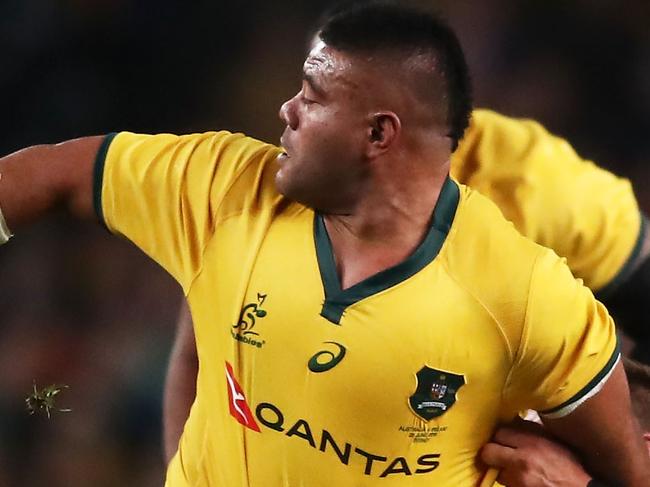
284, 154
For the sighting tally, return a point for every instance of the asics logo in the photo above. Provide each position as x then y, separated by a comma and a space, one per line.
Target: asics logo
327, 359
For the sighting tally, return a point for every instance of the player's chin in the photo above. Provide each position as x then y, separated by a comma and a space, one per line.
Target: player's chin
286, 176
290, 186
282, 182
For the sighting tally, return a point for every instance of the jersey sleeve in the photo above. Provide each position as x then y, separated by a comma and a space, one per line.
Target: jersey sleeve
166, 192
568, 346
553, 196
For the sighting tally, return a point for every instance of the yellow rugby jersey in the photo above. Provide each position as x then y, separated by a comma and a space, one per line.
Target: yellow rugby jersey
553, 196
396, 381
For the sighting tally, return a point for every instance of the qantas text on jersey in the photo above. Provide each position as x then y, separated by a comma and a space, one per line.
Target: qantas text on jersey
272, 417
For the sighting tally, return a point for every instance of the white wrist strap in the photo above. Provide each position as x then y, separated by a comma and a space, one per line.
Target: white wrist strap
5, 234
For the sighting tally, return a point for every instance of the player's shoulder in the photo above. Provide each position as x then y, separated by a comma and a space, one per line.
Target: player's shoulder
480, 225
486, 255
494, 264
239, 168
233, 147
491, 262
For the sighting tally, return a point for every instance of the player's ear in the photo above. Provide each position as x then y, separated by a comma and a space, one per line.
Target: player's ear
383, 130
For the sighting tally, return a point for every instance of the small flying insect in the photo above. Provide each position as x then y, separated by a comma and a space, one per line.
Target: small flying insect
45, 399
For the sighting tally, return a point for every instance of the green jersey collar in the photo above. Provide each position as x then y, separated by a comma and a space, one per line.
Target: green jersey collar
337, 299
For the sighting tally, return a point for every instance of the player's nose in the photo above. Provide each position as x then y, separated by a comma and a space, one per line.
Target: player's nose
288, 114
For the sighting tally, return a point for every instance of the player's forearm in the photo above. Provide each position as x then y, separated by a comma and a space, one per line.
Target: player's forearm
180, 384
605, 433
41, 178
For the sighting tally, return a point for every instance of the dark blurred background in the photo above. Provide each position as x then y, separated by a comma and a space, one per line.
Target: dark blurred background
80, 307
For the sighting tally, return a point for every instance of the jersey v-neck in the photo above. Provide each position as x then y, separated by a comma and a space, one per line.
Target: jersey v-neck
337, 299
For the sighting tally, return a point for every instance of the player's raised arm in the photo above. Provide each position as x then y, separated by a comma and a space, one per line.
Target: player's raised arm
41, 178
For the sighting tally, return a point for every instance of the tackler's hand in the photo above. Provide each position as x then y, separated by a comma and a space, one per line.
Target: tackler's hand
528, 457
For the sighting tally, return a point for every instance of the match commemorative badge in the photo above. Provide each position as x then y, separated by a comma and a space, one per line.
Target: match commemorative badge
435, 392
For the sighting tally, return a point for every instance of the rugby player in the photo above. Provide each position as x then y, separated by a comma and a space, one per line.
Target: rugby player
360, 317
553, 196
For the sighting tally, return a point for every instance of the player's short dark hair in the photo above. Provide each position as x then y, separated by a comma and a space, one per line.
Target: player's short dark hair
638, 378
372, 26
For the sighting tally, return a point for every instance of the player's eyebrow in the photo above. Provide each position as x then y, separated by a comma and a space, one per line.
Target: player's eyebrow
313, 84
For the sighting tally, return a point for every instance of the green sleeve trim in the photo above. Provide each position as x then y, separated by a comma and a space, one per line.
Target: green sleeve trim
592, 383
98, 176
627, 269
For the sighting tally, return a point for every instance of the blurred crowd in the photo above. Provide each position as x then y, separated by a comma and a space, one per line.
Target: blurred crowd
82, 308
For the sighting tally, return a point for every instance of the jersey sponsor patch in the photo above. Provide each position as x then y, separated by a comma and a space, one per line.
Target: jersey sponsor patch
237, 401
373, 464
435, 392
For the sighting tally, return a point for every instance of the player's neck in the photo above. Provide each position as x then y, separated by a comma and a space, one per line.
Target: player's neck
384, 229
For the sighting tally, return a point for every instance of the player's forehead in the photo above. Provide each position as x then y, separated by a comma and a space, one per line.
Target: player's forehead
327, 66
